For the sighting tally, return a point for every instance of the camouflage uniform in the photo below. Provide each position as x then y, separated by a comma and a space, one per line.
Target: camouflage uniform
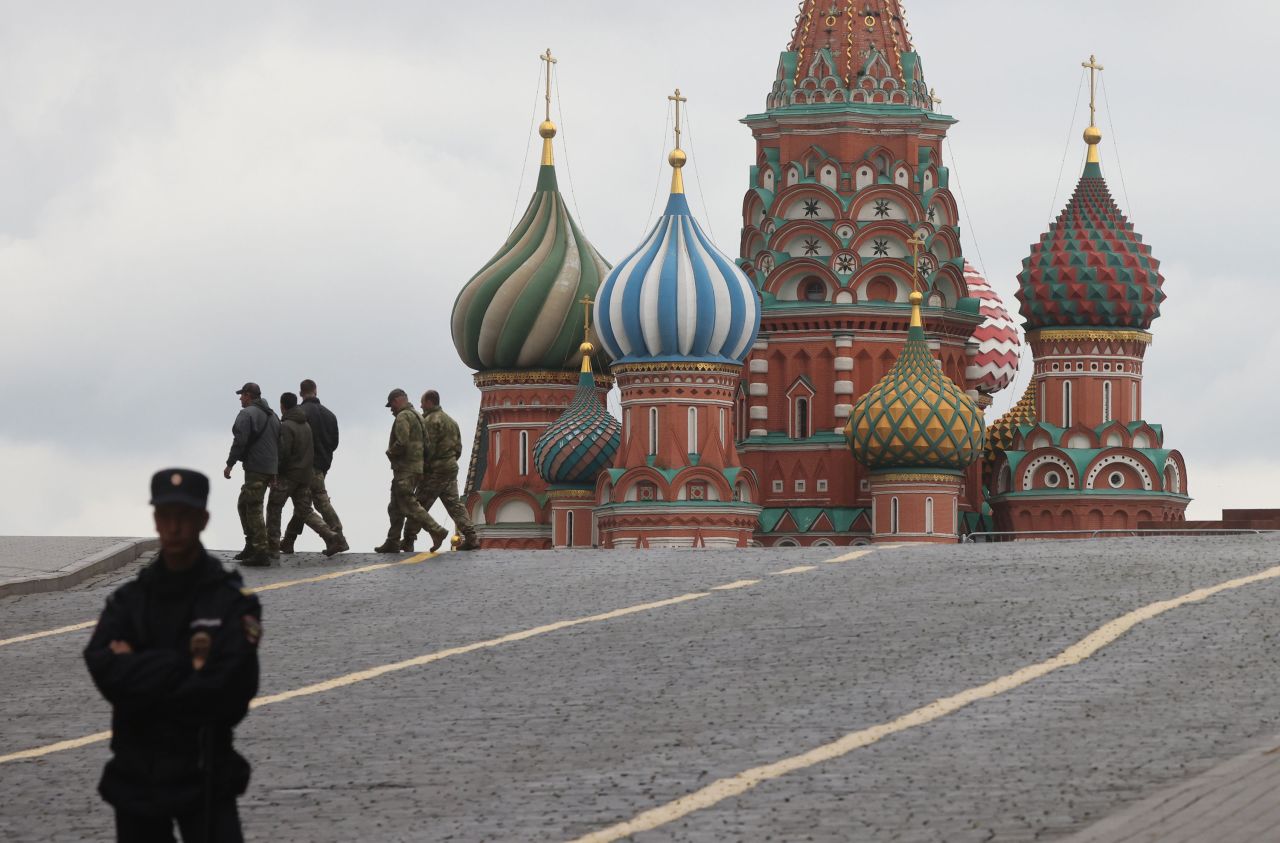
440, 473
255, 443
249, 505
405, 451
296, 475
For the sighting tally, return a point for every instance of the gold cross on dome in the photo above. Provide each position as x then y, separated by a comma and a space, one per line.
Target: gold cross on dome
916, 244
677, 99
1094, 69
550, 60
586, 303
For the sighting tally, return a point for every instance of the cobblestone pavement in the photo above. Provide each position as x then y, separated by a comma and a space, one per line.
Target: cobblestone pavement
566, 732
23, 557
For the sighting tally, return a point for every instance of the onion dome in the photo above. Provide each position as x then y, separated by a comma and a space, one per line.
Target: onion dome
583, 441
1091, 269
519, 311
677, 297
916, 417
1001, 432
999, 346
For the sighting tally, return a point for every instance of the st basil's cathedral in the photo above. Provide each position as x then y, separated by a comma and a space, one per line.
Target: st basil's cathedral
828, 385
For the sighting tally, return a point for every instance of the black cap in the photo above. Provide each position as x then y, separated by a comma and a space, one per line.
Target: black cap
396, 393
180, 485
251, 388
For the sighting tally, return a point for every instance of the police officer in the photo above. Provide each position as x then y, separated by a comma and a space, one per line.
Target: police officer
405, 451
297, 456
440, 474
175, 652
255, 440
324, 438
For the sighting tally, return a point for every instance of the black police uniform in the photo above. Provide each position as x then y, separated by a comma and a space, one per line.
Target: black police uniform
172, 724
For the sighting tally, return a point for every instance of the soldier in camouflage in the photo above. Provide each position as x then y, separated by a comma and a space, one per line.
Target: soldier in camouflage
255, 442
405, 451
324, 437
440, 475
296, 474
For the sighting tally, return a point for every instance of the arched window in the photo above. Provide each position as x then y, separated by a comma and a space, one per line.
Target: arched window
1106, 401
1042, 399
881, 288
524, 453
802, 418
741, 432
1135, 412
568, 528
653, 431
497, 445
1066, 403
814, 290
626, 424
928, 516
893, 516
723, 416
693, 430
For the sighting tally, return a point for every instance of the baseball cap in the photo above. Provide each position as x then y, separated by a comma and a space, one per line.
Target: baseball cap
396, 393
251, 388
180, 485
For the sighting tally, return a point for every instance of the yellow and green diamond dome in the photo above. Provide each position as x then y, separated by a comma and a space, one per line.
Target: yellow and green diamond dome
916, 417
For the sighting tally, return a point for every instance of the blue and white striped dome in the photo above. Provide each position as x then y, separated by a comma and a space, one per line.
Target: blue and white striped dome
677, 298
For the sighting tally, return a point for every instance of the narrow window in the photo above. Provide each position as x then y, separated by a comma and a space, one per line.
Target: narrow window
1106, 401
1134, 411
723, 441
497, 446
1066, 403
1042, 394
626, 424
653, 431
928, 516
893, 516
802, 418
524, 453
693, 430
741, 432
568, 527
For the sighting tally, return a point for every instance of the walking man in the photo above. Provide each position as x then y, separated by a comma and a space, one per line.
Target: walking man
255, 442
175, 652
324, 437
440, 475
405, 451
297, 456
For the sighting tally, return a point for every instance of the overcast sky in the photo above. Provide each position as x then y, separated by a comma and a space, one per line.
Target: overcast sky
193, 195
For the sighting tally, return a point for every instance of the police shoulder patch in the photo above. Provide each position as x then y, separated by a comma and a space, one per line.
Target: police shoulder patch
252, 629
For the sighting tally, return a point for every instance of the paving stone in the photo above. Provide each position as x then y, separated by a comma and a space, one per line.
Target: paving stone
560, 734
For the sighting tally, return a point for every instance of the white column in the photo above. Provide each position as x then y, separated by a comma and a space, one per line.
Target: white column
844, 388
758, 390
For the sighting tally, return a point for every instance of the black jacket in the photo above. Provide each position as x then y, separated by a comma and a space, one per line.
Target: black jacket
171, 724
324, 431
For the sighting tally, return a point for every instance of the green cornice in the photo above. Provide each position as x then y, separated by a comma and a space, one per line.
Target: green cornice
852, 109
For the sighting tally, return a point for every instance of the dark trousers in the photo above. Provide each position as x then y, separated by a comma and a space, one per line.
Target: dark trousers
224, 826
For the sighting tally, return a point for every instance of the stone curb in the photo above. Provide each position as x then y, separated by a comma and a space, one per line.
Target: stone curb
112, 558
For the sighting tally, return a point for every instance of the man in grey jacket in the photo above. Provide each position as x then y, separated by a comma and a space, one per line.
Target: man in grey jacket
255, 443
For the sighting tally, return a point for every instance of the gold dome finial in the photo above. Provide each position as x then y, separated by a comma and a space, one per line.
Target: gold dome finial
677, 159
587, 349
1093, 135
547, 130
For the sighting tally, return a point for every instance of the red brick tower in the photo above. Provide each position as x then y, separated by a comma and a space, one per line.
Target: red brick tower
848, 167
516, 323
1089, 292
678, 318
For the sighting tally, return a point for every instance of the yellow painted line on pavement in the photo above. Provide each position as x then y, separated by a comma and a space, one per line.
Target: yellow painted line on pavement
382, 670
275, 586
849, 557
731, 786
736, 585
802, 569
62, 630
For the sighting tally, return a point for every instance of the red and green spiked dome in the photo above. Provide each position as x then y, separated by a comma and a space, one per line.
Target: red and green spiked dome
521, 311
1090, 269
916, 417
583, 441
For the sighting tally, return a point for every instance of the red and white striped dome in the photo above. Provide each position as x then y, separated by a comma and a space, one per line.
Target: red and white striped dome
999, 346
